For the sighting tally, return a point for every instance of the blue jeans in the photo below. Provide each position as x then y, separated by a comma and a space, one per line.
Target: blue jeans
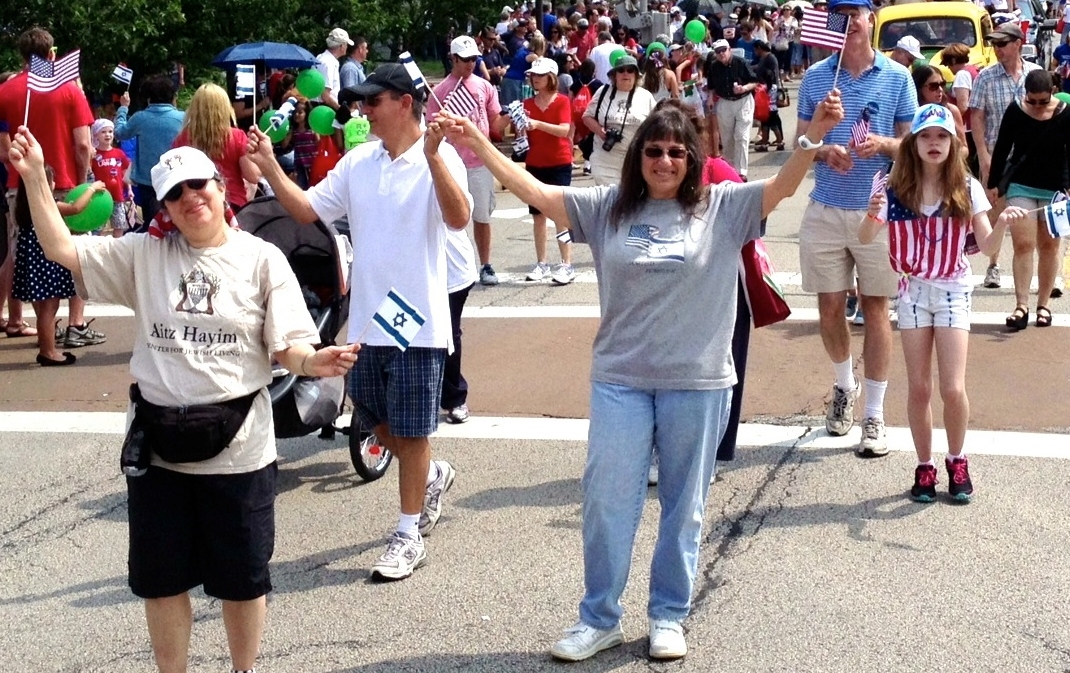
626, 422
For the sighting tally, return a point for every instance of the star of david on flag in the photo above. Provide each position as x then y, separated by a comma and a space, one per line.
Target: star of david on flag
645, 237
1055, 216
398, 319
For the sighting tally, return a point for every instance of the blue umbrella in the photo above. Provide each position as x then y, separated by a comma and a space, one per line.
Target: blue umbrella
273, 55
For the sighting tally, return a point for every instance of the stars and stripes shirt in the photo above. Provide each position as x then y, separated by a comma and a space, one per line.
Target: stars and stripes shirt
931, 247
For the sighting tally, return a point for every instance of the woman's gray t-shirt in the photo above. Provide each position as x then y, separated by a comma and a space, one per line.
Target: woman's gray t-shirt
667, 285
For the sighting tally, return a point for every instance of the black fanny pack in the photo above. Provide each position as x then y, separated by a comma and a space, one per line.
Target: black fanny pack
192, 433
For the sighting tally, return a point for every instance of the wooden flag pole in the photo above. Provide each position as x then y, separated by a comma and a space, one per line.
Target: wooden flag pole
26, 114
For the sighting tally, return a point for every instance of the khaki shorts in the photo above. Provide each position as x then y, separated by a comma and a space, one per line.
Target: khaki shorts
830, 254
481, 187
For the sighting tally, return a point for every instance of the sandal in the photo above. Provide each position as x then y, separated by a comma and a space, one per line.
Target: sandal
761, 147
1018, 320
19, 329
68, 359
1043, 316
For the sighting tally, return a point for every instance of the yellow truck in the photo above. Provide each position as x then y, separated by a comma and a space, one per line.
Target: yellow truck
936, 25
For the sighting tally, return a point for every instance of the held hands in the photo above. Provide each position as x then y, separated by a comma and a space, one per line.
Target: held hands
828, 114
460, 131
1011, 215
124, 100
876, 202
98, 187
258, 148
433, 137
331, 361
870, 148
26, 155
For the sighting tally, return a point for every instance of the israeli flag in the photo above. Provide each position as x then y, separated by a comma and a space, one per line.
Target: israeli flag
1057, 219
405, 59
245, 83
398, 319
122, 74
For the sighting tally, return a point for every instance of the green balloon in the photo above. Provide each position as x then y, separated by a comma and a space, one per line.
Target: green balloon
656, 46
321, 120
276, 135
95, 215
695, 31
1063, 96
616, 55
311, 83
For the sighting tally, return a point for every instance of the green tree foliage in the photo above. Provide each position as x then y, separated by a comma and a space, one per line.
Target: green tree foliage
152, 35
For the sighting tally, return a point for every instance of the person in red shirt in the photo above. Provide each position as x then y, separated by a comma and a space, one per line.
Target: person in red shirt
111, 166
60, 122
549, 159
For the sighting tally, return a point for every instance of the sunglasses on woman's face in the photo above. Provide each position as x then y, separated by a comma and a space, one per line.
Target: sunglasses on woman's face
655, 152
629, 71
934, 86
1038, 103
175, 193
469, 59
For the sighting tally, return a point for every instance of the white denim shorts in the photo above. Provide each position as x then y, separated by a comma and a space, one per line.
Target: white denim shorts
922, 305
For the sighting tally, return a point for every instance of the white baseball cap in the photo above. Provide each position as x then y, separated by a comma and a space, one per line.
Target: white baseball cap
910, 45
543, 66
338, 37
721, 44
464, 46
178, 165
507, 10
932, 115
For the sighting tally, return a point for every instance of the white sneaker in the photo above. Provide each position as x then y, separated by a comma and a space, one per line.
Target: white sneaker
403, 555
874, 438
539, 271
433, 496
563, 274
667, 639
839, 416
652, 475
583, 642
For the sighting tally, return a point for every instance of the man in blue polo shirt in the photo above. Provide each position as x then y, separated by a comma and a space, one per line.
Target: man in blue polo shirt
879, 93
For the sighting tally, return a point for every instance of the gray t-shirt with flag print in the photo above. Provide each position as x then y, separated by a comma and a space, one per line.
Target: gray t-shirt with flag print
667, 285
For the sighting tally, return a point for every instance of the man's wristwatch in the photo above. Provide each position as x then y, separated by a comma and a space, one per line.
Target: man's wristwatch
807, 144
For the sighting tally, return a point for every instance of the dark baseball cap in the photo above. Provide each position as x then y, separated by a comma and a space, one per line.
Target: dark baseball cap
1007, 31
387, 77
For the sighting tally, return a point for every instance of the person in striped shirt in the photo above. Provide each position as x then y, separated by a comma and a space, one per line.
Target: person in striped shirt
932, 208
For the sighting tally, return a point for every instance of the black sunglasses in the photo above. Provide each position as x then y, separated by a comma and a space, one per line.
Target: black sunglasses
175, 193
1000, 43
720, 50
469, 59
629, 70
1038, 103
934, 86
655, 152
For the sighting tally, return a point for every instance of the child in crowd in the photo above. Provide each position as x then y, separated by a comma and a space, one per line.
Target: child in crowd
112, 167
304, 141
931, 207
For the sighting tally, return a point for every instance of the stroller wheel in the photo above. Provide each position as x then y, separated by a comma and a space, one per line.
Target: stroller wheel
370, 458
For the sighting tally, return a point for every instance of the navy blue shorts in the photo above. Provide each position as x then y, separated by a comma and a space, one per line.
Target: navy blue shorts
560, 176
212, 529
399, 388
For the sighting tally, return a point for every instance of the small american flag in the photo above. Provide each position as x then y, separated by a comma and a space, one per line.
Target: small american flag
48, 76
821, 29
880, 180
460, 101
860, 129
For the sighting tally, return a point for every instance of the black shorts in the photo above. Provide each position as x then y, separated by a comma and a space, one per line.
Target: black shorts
560, 176
192, 529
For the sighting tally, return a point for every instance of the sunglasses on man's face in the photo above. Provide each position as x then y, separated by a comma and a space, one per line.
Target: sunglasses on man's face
375, 100
1038, 103
720, 51
655, 152
999, 44
175, 193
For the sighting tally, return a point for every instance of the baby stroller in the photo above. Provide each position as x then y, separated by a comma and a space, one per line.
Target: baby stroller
320, 257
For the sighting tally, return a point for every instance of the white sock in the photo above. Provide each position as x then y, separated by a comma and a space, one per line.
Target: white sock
874, 398
409, 525
845, 375
432, 473
927, 462
961, 456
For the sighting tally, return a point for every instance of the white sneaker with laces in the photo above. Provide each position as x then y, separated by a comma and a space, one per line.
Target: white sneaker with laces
839, 416
563, 274
992, 277
539, 271
583, 642
433, 496
667, 639
403, 555
874, 438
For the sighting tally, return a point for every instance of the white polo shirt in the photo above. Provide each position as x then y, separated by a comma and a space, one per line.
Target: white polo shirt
399, 237
329, 66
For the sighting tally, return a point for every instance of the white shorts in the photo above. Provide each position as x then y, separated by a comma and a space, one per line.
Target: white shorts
481, 187
923, 305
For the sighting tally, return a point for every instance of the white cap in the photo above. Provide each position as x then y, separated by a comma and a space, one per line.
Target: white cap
338, 37
721, 44
178, 165
674, 10
507, 10
98, 126
543, 66
464, 46
910, 45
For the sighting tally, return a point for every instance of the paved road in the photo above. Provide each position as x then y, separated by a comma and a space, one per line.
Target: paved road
813, 560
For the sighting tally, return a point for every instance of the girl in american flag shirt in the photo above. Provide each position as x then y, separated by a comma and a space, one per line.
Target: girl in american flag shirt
932, 208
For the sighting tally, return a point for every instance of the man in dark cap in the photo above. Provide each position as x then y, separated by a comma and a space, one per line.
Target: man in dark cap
400, 195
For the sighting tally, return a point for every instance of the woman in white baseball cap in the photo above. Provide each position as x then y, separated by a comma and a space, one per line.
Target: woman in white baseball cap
213, 307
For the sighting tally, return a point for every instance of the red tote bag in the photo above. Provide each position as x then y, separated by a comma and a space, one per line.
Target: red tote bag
764, 296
